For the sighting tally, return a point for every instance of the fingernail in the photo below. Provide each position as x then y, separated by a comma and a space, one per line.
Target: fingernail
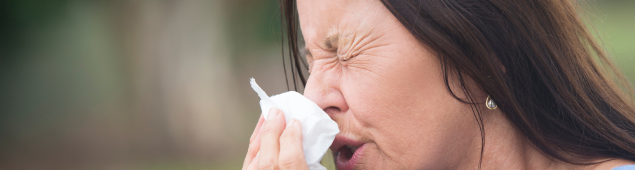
291, 122
273, 112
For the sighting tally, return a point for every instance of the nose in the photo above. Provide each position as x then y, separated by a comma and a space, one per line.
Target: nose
325, 91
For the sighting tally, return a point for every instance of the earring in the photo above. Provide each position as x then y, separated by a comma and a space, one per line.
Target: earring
490, 103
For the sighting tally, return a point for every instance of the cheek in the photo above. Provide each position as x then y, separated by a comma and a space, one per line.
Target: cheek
380, 86
404, 106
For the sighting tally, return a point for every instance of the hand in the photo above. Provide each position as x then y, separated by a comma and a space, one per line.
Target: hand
280, 145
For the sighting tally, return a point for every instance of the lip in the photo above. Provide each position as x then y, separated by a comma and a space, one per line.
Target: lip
343, 162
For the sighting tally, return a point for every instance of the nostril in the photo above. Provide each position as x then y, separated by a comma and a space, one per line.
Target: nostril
332, 110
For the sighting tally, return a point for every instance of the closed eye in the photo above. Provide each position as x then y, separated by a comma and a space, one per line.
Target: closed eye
346, 57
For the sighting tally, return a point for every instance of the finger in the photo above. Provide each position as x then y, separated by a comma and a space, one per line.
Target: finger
291, 151
253, 165
254, 143
257, 129
270, 139
254, 147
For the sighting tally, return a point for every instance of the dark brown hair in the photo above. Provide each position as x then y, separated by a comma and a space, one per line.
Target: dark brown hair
535, 58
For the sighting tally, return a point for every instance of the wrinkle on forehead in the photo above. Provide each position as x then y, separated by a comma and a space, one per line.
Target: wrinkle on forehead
323, 19
344, 27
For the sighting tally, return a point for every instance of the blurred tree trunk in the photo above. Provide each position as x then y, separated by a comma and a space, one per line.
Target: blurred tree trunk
182, 76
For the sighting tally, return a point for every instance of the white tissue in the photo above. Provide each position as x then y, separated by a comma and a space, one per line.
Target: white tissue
318, 130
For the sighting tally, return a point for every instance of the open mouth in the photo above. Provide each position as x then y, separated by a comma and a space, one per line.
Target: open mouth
347, 152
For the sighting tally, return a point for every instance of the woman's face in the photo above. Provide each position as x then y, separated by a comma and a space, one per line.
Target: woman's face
384, 89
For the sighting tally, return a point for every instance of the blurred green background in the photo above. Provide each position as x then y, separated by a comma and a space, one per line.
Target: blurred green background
159, 84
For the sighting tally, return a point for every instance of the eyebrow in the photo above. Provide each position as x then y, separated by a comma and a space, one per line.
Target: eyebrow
330, 40
328, 43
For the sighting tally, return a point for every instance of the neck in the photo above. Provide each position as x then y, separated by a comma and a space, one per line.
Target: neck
508, 148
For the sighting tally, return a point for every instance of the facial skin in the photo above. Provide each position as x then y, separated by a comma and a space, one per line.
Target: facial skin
383, 87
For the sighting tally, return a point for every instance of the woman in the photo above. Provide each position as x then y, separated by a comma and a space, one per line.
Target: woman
454, 84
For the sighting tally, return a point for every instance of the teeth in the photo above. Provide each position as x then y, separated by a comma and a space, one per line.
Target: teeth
353, 149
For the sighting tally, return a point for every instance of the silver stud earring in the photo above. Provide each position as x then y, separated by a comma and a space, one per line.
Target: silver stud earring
491, 105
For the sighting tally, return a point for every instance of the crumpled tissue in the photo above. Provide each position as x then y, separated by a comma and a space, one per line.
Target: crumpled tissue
318, 129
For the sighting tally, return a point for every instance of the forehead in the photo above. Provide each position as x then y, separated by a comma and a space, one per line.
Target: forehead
321, 19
